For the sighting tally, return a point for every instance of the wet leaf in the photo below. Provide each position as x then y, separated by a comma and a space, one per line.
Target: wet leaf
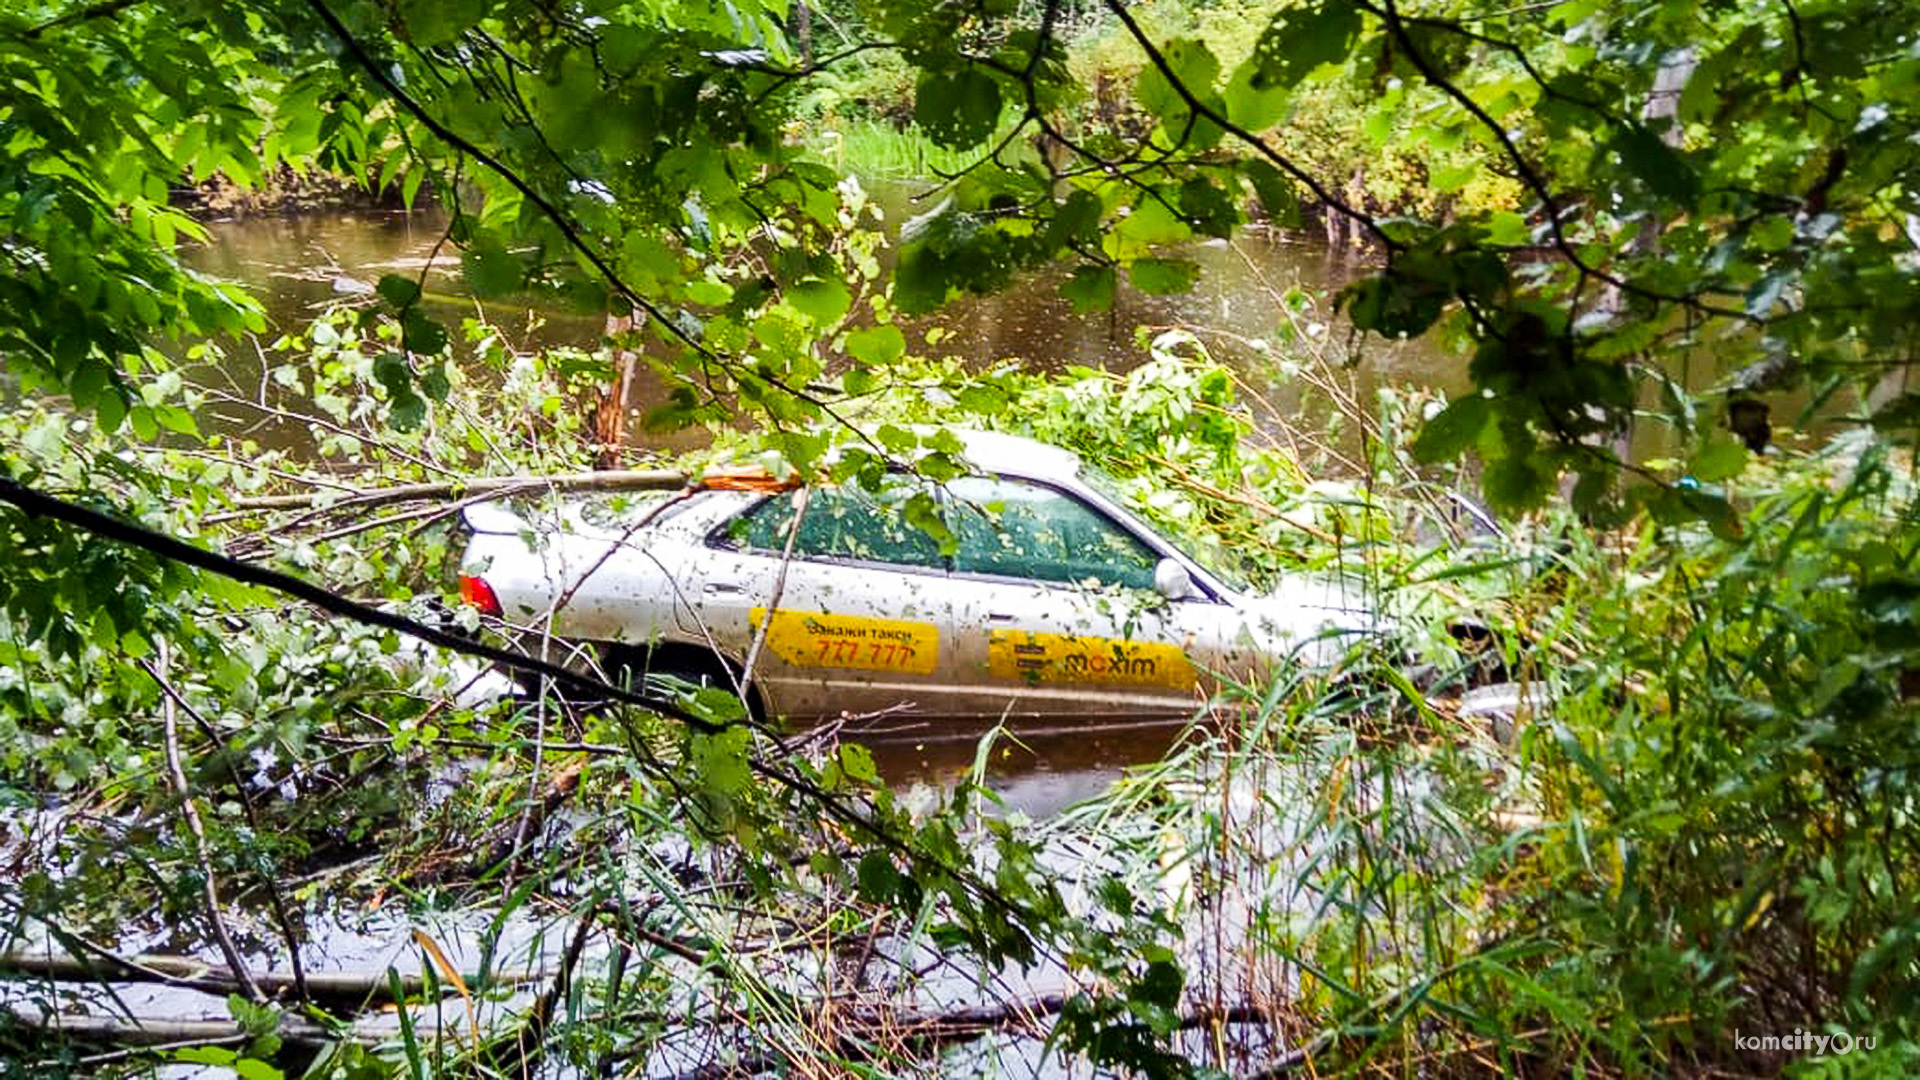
824, 300
1444, 437
1722, 458
398, 290
1301, 39
1162, 277
876, 346
878, 879
421, 333
1659, 166
491, 270
1194, 67
1090, 289
1276, 193
958, 109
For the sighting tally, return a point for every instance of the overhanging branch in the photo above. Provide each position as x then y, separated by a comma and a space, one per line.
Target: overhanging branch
41, 504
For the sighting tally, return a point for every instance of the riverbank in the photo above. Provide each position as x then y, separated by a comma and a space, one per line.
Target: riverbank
285, 191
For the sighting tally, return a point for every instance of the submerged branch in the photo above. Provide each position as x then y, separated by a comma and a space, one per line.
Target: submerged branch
184, 971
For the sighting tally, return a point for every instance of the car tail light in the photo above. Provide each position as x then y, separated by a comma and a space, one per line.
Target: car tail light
475, 592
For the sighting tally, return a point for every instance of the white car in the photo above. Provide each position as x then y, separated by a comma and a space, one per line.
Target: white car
1054, 601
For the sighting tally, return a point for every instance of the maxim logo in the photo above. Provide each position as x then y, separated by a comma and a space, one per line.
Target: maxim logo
1084, 664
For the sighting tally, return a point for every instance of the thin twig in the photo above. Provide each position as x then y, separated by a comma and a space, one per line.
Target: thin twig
773, 602
280, 913
169, 713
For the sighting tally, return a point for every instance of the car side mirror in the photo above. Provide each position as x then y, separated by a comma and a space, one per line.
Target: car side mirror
1172, 581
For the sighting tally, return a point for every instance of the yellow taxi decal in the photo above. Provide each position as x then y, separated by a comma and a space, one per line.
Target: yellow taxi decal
819, 639
1058, 658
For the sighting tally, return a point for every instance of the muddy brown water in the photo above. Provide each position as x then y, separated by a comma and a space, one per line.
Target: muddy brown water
298, 265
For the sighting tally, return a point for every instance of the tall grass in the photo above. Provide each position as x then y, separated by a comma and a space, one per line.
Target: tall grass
878, 149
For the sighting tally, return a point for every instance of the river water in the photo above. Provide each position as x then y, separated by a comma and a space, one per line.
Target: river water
300, 264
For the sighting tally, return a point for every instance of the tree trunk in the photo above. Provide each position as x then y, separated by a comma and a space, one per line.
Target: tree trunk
610, 410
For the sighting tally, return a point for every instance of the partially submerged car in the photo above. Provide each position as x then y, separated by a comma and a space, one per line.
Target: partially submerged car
1049, 598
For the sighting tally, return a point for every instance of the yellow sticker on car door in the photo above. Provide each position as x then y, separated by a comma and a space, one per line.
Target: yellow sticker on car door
822, 640
1033, 657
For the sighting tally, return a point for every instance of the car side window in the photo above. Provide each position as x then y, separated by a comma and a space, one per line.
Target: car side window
1017, 529
842, 523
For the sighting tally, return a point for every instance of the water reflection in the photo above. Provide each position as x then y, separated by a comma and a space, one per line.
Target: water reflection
1037, 771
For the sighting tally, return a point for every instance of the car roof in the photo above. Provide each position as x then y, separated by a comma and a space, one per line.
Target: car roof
998, 452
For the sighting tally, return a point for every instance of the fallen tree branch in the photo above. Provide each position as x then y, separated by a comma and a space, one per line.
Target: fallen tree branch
191, 974
623, 480
41, 504
151, 1031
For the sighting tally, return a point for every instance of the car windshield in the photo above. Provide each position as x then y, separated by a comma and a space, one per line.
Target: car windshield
1209, 553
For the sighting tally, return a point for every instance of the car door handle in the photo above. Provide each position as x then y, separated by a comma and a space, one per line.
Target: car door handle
997, 616
724, 588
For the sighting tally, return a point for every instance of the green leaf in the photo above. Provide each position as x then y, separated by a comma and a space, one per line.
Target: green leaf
1301, 39
1508, 229
1255, 109
1149, 225
1392, 305
1660, 167
707, 293
958, 109
1196, 68
923, 513
1090, 289
982, 400
491, 270
439, 22
1207, 206
824, 300
857, 762
422, 334
145, 424
1722, 458
877, 345
1276, 193
407, 412
398, 290
391, 370
720, 760
877, 877
1162, 277
1706, 506
255, 1069
646, 262
110, 408
434, 382
1078, 218
1458, 426
1516, 482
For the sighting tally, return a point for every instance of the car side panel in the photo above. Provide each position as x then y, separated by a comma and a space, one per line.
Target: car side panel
1035, 649
844, 639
